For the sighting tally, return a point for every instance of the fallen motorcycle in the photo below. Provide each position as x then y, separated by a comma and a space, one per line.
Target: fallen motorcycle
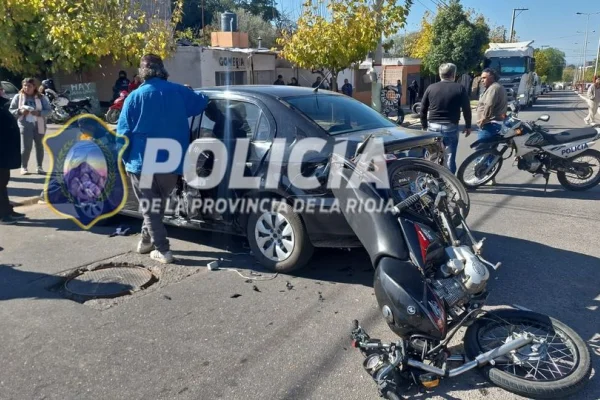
431, 281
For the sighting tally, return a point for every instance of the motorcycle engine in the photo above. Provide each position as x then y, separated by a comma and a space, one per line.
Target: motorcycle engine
191, 202
464, 276
529, 162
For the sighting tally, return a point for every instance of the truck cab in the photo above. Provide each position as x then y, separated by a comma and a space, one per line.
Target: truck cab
515, 64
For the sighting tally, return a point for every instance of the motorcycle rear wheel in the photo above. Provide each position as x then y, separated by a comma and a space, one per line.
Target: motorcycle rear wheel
564, 179
531, 372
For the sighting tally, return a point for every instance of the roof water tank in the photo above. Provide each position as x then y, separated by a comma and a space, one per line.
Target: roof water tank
228, 22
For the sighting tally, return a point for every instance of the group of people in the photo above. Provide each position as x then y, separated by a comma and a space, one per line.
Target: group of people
280, 81
124, 84
443, 102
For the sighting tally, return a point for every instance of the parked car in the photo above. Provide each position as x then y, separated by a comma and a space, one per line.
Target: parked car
291, 113
10, 90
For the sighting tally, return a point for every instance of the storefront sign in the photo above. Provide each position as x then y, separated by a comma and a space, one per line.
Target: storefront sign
237, 62
83, 90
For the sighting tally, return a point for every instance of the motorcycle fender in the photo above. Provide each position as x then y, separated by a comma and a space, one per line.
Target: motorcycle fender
488, 140
570, 150
406, 301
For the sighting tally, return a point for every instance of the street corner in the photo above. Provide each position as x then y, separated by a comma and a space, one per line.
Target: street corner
86, 181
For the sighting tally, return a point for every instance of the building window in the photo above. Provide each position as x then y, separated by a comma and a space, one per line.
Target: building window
226, 78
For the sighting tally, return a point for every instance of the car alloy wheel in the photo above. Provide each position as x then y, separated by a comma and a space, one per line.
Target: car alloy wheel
275, 236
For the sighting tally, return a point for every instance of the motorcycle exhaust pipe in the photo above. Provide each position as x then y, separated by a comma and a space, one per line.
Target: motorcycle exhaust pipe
479, 361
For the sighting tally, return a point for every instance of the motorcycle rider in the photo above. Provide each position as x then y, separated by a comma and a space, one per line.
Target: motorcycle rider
593, 101
491, 109
122, 83
444, 101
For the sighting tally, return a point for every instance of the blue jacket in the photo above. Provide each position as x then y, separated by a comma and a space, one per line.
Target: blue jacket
157, 109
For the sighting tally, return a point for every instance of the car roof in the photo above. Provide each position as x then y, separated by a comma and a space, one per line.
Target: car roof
276, 91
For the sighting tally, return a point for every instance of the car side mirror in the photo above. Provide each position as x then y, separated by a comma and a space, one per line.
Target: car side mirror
544, 118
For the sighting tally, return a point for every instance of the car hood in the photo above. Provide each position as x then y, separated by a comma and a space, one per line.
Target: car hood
394, 139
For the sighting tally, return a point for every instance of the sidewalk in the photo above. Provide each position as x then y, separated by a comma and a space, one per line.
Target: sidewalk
26, 189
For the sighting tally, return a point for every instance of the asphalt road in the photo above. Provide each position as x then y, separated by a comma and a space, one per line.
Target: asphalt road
186, 337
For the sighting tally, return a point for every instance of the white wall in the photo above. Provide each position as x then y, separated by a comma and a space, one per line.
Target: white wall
185, 66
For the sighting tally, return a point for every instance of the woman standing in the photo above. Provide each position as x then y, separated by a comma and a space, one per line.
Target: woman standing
30, 108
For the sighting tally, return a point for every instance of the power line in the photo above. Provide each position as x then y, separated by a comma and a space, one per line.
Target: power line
423, 4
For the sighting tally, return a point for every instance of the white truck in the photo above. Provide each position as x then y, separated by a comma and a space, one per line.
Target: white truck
515, 64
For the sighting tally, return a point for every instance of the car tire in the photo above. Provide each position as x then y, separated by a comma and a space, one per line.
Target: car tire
293, 248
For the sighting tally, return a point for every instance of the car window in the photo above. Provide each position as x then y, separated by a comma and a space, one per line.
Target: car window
339, 114
9, 88
233, 118
263, 132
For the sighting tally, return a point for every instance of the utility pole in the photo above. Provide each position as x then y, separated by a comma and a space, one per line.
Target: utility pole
376, 83
203, 29
597, 55
585, 43
512, 25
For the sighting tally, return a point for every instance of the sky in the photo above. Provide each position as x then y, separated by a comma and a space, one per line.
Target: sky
551, 23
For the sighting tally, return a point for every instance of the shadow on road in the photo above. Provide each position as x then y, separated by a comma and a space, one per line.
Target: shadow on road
19, 284
537, 190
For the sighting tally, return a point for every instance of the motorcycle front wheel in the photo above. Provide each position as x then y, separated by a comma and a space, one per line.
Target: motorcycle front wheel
407, 176
556, 364
480, 168
112, 116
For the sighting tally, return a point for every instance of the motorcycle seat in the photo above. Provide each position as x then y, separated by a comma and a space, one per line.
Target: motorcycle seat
571, 135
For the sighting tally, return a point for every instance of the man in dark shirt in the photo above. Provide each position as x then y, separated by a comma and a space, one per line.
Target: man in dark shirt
279, 80
444, 101
347, 88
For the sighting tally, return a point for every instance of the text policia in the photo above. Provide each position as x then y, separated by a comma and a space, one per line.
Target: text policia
372, 158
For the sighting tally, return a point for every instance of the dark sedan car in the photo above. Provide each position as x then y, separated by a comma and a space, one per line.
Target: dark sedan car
281, 237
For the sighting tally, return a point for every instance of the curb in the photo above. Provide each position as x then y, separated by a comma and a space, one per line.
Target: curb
27, 201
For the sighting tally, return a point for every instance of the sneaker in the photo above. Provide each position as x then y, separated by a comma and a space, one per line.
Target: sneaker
24, 171
144, 247
165, 258
40, 171
17, 216
8, 220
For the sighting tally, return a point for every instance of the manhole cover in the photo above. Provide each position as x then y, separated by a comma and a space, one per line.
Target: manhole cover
110, 281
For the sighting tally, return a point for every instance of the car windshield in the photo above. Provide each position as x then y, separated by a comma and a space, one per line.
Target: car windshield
339, 114
509, 65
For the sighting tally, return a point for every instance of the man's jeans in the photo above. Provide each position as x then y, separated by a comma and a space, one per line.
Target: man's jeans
488, 130
450, 133
152, 206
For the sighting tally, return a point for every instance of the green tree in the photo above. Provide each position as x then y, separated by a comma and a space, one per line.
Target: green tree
568, 74
352, 31
40, 36
399, 45
456, 39
422, 45
549, 62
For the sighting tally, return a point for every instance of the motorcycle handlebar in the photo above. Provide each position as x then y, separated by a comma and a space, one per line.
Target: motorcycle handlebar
409, 201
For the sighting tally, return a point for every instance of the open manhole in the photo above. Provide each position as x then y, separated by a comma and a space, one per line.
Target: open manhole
110, 280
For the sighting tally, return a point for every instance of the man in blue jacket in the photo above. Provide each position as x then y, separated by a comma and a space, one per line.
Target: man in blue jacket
158, 109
